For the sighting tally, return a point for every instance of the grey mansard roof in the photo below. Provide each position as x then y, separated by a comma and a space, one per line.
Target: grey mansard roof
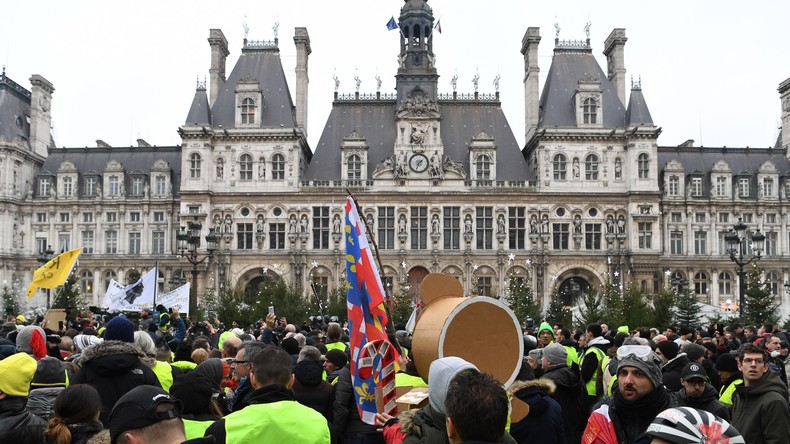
637, 113
375, 121
568, 66
263, 64
199, 112
14, 102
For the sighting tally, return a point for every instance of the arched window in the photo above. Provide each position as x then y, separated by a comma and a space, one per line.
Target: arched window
220, 168
590, 110
278, 166
248, 111
643, 166
108, 276
725, 283
194, 166
560, 167
86, 283
245, 167
483, 167
678, 282
591, 167
354, 165
772, 279
701, 283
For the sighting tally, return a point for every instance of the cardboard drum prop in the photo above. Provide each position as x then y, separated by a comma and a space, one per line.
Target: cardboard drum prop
480, 329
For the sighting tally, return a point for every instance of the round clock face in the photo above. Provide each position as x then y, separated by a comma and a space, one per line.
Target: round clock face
418, 163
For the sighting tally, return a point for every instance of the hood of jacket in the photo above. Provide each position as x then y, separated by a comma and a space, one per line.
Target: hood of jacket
112, 357
309, 373
564, 377
770, 382
534, 393
676, 363
441, 372
599, 341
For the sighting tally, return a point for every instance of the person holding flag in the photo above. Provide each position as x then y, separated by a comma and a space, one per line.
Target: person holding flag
355, 401
54, 273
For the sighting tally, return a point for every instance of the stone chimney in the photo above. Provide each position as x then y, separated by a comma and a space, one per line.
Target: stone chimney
784, 94
529, 47
40, 114
302, 42
614, 50
219, 52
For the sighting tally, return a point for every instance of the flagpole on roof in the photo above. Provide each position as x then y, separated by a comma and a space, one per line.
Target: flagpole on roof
383, 276
156, 283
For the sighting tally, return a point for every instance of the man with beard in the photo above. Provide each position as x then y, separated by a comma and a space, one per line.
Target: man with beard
698, 393
639, 397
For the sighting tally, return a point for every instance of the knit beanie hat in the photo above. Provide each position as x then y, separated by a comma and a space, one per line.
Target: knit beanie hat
545, 326
81, 342
648, 362
693, 351
337, 357
119, 329
32, 340
727, 363
556, 354
50, 372
290, 345
17, 371
668, 349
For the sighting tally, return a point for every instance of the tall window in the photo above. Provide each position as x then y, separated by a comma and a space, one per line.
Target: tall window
696, 187
90, 186
43, 186
517, 228
452, 228
673, 189
721, 186
161, 188
354, 166
590, 110
743, 187
108, 276
134, 243
68, 186
87, 242
701, 283
86, 282
483, 167
592, 236
676, 242
645, 230
485, 228
64, 241
386, 228
114, 184
158, 242
320, 227
277, 236
643, 166
772, 280
194, 166
725, 283
245, 167
560, 235
137, 186
65, 218
724, 218
278, 166
419, 228
591, 167
111, 242
484, 284
244, 236
771, 242
248, 111
560, 166
159, 216
700, 242
768, 187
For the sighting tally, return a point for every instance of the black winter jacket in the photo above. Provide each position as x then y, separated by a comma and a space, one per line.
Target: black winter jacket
709, 401
571, 395
545, 422
670, 372
310, 389
17, 425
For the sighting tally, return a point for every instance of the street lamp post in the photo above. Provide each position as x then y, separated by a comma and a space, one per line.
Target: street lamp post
43, 258
737, 242
188, 243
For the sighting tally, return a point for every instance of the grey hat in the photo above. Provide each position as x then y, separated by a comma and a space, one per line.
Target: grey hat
556, 354
643, 358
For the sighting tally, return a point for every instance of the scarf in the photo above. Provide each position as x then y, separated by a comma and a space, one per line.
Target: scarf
631, 418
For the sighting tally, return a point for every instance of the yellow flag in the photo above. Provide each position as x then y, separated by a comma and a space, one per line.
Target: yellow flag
55, 272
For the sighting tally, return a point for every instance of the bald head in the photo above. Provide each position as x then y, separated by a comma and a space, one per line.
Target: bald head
290, 328
231, 346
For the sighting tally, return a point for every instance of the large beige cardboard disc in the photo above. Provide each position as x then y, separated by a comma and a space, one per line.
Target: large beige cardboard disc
481, 330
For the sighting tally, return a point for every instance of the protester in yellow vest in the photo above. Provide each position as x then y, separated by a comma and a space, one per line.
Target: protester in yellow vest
273, 415
593, 355
731, 377
545, 335
564, 338
162, 370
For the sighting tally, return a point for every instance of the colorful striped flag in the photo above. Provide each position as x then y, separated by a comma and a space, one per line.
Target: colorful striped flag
367, 316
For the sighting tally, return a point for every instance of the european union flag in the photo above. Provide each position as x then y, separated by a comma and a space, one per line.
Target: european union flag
392, 24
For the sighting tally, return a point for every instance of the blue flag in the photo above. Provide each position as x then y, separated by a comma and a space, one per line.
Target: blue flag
392, 24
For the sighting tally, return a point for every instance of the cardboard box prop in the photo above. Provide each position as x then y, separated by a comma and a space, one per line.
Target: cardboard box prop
480, 329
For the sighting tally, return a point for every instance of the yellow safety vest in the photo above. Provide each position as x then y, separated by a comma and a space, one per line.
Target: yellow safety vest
164, 373
726, 392
276, 422
407, 380
196, 429
573, 355
599, 354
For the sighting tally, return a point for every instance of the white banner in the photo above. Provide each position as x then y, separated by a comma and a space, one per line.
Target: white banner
115, 299
178, 298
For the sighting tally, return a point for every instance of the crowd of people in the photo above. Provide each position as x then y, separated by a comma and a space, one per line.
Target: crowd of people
155, 378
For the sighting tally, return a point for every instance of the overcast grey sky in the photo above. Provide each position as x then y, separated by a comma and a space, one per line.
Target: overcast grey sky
127, 70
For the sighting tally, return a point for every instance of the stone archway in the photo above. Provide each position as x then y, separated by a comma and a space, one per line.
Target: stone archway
416, 275
571, 290
255, 284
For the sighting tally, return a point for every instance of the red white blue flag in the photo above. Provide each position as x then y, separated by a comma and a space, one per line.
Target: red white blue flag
367, 316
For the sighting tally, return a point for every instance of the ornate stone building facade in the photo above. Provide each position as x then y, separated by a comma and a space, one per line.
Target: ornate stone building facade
587, 197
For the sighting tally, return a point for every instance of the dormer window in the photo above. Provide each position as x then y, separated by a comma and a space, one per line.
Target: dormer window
43, 187
768, 187
248, 111
743, 187
483, 167
673, 189
137, 186
696, 187
590, 111
114, 188
68, 186
249, 102
354, 165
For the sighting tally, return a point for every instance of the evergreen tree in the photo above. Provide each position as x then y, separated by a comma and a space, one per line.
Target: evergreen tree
558, 312
637, 312
613, 303
336, 302
69, 298
687, 309
11, 305
402, 305
590, 309
522, 300
133, 276
664, 308
759, 302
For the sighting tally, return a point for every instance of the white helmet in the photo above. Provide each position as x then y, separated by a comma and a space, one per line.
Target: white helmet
686, 425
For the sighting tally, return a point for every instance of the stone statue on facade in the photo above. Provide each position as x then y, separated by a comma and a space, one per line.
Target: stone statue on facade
454, 81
